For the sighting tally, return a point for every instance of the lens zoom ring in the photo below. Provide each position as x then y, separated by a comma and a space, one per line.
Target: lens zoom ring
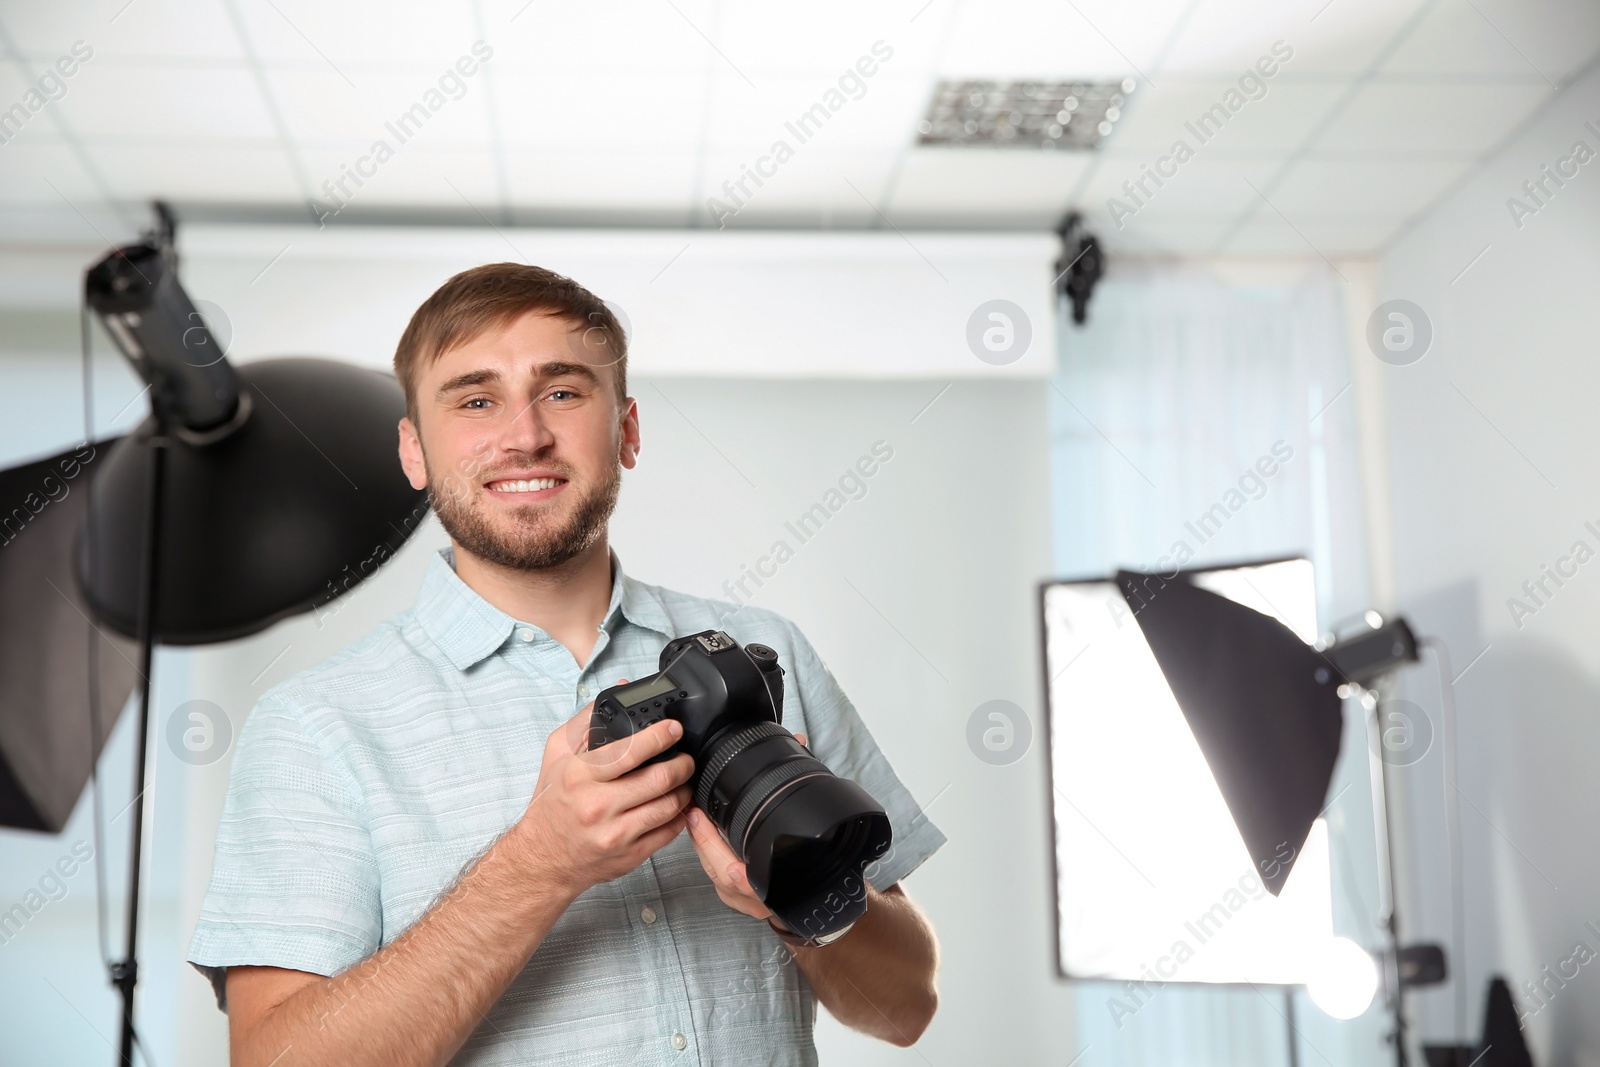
761, 789
725, 752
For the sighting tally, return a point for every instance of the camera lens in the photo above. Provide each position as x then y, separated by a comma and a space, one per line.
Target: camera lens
804, 834
798, 859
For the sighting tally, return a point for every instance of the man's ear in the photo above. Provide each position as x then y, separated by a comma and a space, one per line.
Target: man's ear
629, 447
411, 455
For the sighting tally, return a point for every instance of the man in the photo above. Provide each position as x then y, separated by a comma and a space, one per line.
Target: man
421, 861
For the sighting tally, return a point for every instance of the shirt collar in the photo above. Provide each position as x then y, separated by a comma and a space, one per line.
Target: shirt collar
468, 628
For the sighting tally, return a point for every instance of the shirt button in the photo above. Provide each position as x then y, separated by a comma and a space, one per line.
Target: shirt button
583, 690
648, 914
525, 634
680, 1042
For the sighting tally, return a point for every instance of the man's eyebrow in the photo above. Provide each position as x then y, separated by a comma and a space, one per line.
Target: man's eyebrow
466, 381
560, 368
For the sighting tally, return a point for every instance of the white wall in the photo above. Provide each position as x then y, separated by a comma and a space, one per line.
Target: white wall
706, 303
1493, 443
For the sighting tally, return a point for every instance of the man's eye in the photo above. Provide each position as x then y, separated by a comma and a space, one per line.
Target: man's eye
476, 400
555, 393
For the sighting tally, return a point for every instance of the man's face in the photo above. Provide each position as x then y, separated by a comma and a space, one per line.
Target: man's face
522, 441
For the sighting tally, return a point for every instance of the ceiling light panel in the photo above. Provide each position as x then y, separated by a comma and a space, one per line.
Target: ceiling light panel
1024, 114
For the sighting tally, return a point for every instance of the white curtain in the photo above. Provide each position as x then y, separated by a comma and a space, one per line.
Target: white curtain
1162, 408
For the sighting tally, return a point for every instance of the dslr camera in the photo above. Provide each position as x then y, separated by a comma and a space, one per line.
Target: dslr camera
804, 834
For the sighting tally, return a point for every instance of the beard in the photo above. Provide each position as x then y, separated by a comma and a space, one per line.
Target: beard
539, 537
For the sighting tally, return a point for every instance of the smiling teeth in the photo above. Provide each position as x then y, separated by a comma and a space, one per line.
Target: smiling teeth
530, 485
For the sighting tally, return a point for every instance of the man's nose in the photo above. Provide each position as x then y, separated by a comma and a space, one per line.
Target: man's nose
527, 430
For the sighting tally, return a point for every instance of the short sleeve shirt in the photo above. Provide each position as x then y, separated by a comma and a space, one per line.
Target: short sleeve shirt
362, 787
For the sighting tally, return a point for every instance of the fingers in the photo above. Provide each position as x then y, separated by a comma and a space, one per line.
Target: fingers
662, 836
646, 783
705, 835
660, 811
575, 731
724, 868
715, 854
621, 756
736, 878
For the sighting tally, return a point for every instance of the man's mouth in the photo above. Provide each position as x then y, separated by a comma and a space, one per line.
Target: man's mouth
535, 487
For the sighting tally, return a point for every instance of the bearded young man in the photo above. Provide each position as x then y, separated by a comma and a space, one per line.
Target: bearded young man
419, 859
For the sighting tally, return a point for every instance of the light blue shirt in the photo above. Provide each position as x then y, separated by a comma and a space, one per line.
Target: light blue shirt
363, 786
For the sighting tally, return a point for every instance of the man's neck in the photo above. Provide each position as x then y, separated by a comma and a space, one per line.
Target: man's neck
567, 601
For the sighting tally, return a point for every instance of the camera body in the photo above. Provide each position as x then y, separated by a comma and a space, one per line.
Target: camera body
718, 685
804, 834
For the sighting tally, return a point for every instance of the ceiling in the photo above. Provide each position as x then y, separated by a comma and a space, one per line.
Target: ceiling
635, 112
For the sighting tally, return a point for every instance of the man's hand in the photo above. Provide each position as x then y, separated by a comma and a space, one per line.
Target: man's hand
593, 817
891, 950
725, 870
590, 819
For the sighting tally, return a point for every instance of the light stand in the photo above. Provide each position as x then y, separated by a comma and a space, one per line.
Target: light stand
1363, 659
245, 497
1265, 710
125, 972
1382, 825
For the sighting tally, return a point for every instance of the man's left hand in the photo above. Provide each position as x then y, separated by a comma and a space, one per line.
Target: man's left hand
725, 870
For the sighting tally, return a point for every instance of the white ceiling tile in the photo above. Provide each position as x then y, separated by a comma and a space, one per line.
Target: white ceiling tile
318, 105
173, 28
1087, 39
42, 170
46, 29
618, 177
28, 125
879, 112
1457, 39
620, 113
215, 173
12, 82
976, 182
1277, 115
1558, 37
823, 38
161, 28
1392, 189
1205, 185
620, 37
822, 43
414, 31
815, 179
1267, 234
995, 52
459, 180
1177, 235
1410, 117
177, 101
1325, 36
644, 106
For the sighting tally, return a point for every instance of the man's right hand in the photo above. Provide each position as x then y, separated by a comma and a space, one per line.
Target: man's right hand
595, 815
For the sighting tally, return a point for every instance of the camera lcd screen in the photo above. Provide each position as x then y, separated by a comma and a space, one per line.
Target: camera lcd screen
638, 694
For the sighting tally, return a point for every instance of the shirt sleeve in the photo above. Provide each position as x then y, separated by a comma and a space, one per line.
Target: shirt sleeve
839, 738
294, 882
